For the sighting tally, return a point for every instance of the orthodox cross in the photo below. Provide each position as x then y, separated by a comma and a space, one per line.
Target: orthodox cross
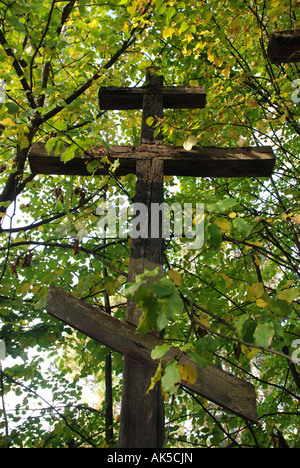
142, 414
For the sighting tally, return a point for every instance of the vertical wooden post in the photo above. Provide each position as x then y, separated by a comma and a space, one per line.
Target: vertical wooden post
109, 420
142, 415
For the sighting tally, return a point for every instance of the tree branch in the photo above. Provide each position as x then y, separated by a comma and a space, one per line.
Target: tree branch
18, 70
237, 340
39, 120
40, 44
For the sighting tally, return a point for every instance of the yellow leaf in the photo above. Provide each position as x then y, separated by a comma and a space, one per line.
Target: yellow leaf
296, 219
226, 71
283, 118
23, 141
93, 24
164, 394
253, 104
189, 36
233, 134
232, 215
261, 303
288, 295
210, 55
249, 351
198, 219
204, 402
235, 27
168, 32
242, 142
126, 26
155, 378
218, 62
204, 321
224, 224
187, 373
8, 122
74, 54
248, 247
228, 280
175, 277
26, 287
255, 292
262, 126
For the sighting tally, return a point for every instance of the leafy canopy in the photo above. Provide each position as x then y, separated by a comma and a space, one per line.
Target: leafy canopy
235, 302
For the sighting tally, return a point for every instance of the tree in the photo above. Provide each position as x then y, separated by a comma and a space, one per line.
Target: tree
240, 289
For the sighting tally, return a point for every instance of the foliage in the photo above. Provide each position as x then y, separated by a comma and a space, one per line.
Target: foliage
235, 302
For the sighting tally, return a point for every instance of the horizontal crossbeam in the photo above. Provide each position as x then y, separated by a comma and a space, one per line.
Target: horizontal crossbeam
218, 386
114, 98
199, 162
284, 47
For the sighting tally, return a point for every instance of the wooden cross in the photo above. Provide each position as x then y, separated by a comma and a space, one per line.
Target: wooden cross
142, 414
284, 47
236, 395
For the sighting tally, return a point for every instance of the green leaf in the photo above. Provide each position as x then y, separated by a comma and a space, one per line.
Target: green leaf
200, 360
111, 286
277, 328
12, 108
221, 206
245, 327
288, 295
215, 236
147, 302
160, 350
171, 378
263, 334
130, 289
147, 274
69, 153
50, 144
242, 226
172, 305
163, 288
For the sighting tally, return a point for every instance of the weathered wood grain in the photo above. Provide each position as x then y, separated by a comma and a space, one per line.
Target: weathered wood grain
181, 97
142, 421
199, 162
284, 47
212, 383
